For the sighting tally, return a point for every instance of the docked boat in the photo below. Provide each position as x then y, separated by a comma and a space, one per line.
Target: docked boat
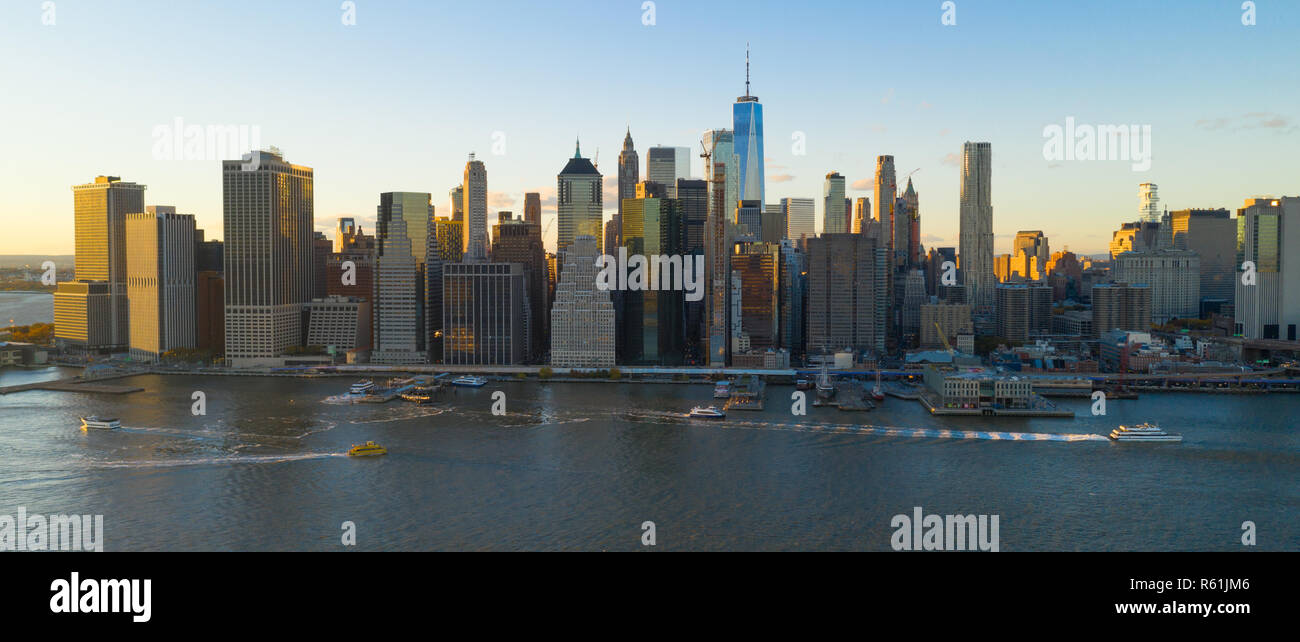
711, 412
803, 384
1143, 432
722, 390
368, 449
100, 423
878, 392
470, 382
825, 386
363, 387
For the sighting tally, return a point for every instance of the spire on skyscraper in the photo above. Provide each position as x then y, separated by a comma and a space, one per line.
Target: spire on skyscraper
627, 140
577, 148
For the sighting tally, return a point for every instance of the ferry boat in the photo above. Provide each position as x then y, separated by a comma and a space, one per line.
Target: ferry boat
722, 390
1143, 432
470, 382
368, 449
710, 412
100, 423
363, 387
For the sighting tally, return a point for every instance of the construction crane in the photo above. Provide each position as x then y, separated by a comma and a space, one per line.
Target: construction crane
943, 337
906, 176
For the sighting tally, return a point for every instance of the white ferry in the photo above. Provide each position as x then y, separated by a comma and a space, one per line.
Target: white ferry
1143, 432
363, 387
710, 412
470, 382
100, 423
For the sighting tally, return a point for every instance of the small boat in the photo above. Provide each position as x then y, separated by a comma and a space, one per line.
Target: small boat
825, 386
803, 384
722, 390
363, 387
470, 382
368, 449
1143, 432
878, 392
710, 412
100, 423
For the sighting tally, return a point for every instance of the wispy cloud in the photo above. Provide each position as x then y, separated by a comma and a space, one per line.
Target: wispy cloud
500, 199
952, 160
780, 178
1253, 120
889, 97
864, 184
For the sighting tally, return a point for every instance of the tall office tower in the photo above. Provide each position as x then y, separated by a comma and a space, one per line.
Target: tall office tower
944, 321
579, 194
773, 224
910, 212
399, 285
800, 217
484, 306
322, 247
861, 215
160, 281
339, 322
1120, 306
653, 316
422, 230
101, 208
720, 172
1270, 308
1174, 277
347, 226
846, 305
1023, 310
665, 165
833, 204
1065, 275
934, 267
533, 208
759, 267
885, 206
1210, 234
209, 312
693, 199
451, 239
516, 241
1030, 254
475, 186
976, 240
457, 196
1139, 236
749, 215
913, 298
629, 171
207, 254
747, 123
83, 318
269, 216
1148, 203
793, 292
582, 317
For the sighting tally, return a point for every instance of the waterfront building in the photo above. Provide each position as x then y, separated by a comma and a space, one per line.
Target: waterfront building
653, 319
1174, 277
160, 281
484, 306
793, 294
399, 300
339, 323
210, 312
582, 317
976, 234
83, 316
759, 267
516, 241
1268, 236
847, 304
268, 215
720, 173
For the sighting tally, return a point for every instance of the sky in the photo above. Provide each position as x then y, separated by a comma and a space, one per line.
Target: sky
397, 100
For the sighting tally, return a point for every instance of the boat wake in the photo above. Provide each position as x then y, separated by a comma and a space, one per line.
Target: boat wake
868, 429
213, 461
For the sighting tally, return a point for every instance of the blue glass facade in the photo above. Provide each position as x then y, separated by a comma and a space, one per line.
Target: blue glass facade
747, 121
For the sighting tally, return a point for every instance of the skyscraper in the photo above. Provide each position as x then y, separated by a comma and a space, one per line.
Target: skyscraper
800, 217
847, 304
653, 317
579, 196
720, 171
582, 317
833, 204
1029, 255
101, 253
1211, 234
160, 281
910, 213
747, 123
404, 222
861, 215
1174, 277
976, 234
457, 196
894, 234
759, 267
1148, 203
516, 241
1268, 233
484, 306
475, 198
533, 208
269, 216
667, 165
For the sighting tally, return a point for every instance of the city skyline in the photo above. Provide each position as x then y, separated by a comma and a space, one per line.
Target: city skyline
922, 123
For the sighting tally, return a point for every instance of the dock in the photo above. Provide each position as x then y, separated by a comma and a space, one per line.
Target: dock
77, 384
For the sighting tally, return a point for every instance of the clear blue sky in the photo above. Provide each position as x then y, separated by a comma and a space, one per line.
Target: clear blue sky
397, 101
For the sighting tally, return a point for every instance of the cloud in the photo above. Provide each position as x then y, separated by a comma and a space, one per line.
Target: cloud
889, 97
930, 238
864, 184
953, 160
879, 129
925, 104
780, 178
1253, 120
945, 131
500, 200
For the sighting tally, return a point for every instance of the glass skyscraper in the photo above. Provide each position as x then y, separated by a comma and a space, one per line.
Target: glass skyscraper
747, 123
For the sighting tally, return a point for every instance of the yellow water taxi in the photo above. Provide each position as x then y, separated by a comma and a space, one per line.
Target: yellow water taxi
369, 449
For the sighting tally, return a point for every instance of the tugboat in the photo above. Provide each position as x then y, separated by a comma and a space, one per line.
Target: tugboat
100, 423
711, 412
1143, 432
369, 449
470, 381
